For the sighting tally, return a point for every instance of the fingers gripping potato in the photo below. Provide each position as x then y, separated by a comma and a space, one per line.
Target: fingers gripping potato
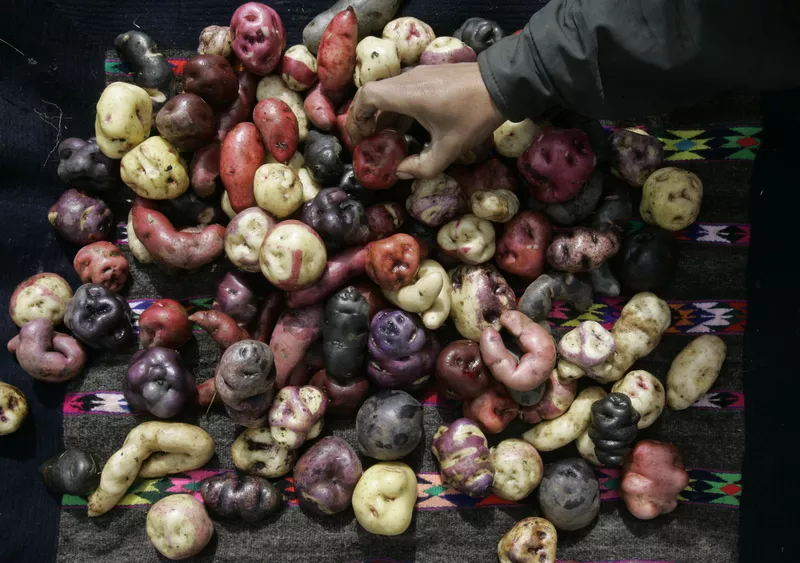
152, 449
469, 239
532, 540
447, 50
671, 198
47, 355
296, 415
376, 59
498, 206
384, 498
179, 526
511, 139
43, 296
13, 408
694, 370
278, 190
558, 432
292, 256
646, 394
410, 37
155, 170
124, 118
256, 452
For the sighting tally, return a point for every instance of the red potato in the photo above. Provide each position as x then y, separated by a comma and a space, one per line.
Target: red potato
339, 269
344, 400
557, 164
319, 109
296, 331
241, 109
299, 68
47, 355
207, 394
341, 124
487, 176
220, 327
336, 58
102, 263
522, 248
493, 409
172, 248
373, 296
557, 398
204, 170
258, 37
242, 154
652, 478
268, 314
385, 219
460, 371
376, 158
393, 262
277, 124
166, 324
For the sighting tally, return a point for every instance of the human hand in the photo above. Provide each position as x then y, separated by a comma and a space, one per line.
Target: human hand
450, 101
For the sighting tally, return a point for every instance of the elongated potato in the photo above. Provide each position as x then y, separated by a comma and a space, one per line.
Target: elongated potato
557, 433
694, 370
272, 86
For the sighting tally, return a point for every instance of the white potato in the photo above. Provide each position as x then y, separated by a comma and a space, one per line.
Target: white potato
517, 469
255, 452
384, 498
531, 540
694, 370
512, 139
422, 292
124, 118
292, 256
498, 206
410, 36
273, 87
42, 296
226, 205
277, 190
376, 59
435, 315
296, 163
13, 407
646, 394
671, 198
552, 434
585, 447
135, 245
470, 239
179, 526
244, 236
303, 58
155, 170
310, 186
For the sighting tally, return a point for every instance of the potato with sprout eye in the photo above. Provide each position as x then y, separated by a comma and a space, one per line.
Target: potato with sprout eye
99, 318
588, 347
258, 37
164, 323
81, 219
339, 220
323, 155
376, 158
479, 297
178, 526
393, 262
158, 382
292, 256
671, 198
155, 170
102, 263
498, 206
215, 40
245, 381
532, 540
460, 371
326, 475
255, 452
83, 165
376, 59
428, 294
646, 394
581, 249
384, 498
296, 415
522, 248
13, 408
42, 296
277, 190
384, 219
345, 330
517, 469
124, 119
244, 237
469, 239
435, 201
493, 410
652, 478
402, 352
410, 37
557, 164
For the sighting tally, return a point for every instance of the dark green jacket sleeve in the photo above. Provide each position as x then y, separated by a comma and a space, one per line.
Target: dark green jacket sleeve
626, 58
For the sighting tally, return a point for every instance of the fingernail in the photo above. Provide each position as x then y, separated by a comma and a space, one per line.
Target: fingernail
404, 176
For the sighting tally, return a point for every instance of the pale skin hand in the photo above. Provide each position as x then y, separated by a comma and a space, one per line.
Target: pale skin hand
450, 101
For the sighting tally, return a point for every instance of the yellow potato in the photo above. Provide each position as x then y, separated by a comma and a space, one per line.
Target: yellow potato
384, 498
646, 394
124, 118
671, 198
277, 190
155, 170
376, 59
694, 370
552, 434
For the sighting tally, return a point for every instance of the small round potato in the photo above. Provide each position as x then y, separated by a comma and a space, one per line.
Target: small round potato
274, 87
532, 540
376, 59
278, 190
410, 36
13, 409
646, 394
447, 50
245, 235
124, 118
435, 201
155, 170
292, 256
511, 139
569, 495
517, 469
384, 498
187, 121
179, 526
469, 239
255, 452
694, 370
671, 198
498, 206
43, 296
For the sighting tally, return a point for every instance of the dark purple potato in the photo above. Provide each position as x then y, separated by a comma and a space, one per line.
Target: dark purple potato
527, 398
339, 220
353, 189
236, 298
99, 318
648, 259
402, 352
73, 472
158, 382
323, 155
614, 428
460, 371
212, 78
389, 425
345, 330
151, 69
324, 478
245, 380
479, 33
81, 218
186, 121
615, 209
240, 497
83, 165
569, 494
635, 156
344, 398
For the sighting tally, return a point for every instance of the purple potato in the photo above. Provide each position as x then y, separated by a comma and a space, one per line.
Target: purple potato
99, 318
81, 218
648, 259
581, 249
186, 121
73, 472
339, 220
402, 352
324, 478
240, 497
245, 380
151, 69
236, 298
389, 425
435, 201
158, 382
296, 415
464, 457
83, 165
569, 494
479, 34
635, 156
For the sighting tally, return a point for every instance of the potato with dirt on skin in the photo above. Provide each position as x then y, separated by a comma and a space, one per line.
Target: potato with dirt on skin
389, 425
278, 127
292, 256
646, 394
296, 415
469, 239
245, 381
47, 355
155, 170
464, 458
410, 37
376, 59
635, 155
384, 498
479, 297
586, 348
13, 409
435, 201
215, 40
299, 68
517, 469
178, 526
124, 118
671, 198
447, 50
512, 138
522, 247
498, 206
212, 78
102, 263
80, 218
164, 323
558, 432
244, 236
258, 37
581, 249
277, 190
393, 262
694, 370
255, 452
273, 87
186, 121
42, 296
531, 540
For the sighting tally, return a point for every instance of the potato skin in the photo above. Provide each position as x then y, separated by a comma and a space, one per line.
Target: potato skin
376, 158
339, 269
435, 201
372, 16
393, 262
278, 127
479, 34
569, 494
558, 432
124, 119
83, 165
493, 410
204, 170
634, 155
212, 78
277, 190
557, 164
402, 352
652, 478
151, 69
241, 109
320, 109
694, 370
523, 245
326, 475
323, 154
581, 249
165, 323
512, 138
447, 50
339, 220
155, 170
531, 540
158, 382
72, 472
299, 68
14, 407
47, 355
480, 296
272, 86
179, 526
464, 458
470, 240
460, 371
186, 121
244, 236
410, 37
255, 452
345, 330
295, 333
258, 37
376, 59
102, 263
671, 198
220, 327
647, 260
245, 381
80, 218
237, 298
99, 318
646, 393
344, 398
486, 176
389, 425
215, 40
242, 154
235, 497
292, 256
517, 469
336, 58
40, 296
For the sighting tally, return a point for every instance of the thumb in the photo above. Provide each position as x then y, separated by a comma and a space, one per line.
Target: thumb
430, 162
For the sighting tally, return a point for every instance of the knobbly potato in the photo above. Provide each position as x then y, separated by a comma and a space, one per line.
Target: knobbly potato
258, 37
460, 371
646, 394
339, 220
158, 382
671, 198
512, 138
694, 370
47, 355
292, 256
376, 158
102, 263
402, 352
124, 118
498, 206
410, 37
517, 469
569, 494
464, 458
613, 428
469, 239
278, 190
186, 121
384, 498
345, 330
256, 452
635, 155
479, 33
80, 218
447, 50
393, 262
299, 68
235, 497
179, 526
389, 425
164, 323
558, 432
486, 176
372, 15
245, 381
557, 164
532, 540
43, 296
151, 70
376, 59
14, 409
581, 249
99, 318
557, 397
435, 201
637, 332
296, 415
244, 237
274, 87
479, 297
652, 478
84, 166
155, 170
385, 219
336, 58
425, 295
215, 40
493, 410
326, 475
522, 248
588, 346
237, 297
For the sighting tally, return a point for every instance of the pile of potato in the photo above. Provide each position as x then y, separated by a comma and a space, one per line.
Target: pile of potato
347, 279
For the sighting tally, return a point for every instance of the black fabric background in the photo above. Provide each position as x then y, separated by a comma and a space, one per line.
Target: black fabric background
67, 41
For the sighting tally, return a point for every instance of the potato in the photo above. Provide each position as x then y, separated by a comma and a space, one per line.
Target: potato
493, 410
385, 219
537, 301
558, 432
222, 329
531, 540
326, 475
410, 37
479, 33
557, 164
135, 245
226, 205
273, 87
165, 323
469, 239
339, 220
646, 394
323, 156
435, 201
581, 249
295, 333
558, 395
215, 40
648, 259
99, 318
158, 382
258, 37
372, 16
393, 262
522, 247
345, 397
694, 370
292, 256
517, 469
586, 449
151, 70
235, 497
652, 478
336, 58
241, 156
14, 409
569, 494
464, 458
47, 355
245, 381
237, 296
179, 526
320, 109
613, 428
402, 352
244, 236
72, 472
311, 187
512, 138
80, 218
124, 118
83, 166
671, 198
376, 59
389, 425
587, 347
204, 170
447, 50
460, 371
155, 170
344, 334
384, 498
255, 452
635, 155
498, 206
278, 190
637, 332
299, 68
296, 415
339, 269
479, 297
376, 158
278, 127
186, 121
42, 296
102, 263
212, 78
428, 295
240, 110
581, 206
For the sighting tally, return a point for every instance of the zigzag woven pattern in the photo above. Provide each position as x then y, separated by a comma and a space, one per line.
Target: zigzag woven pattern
706, 487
